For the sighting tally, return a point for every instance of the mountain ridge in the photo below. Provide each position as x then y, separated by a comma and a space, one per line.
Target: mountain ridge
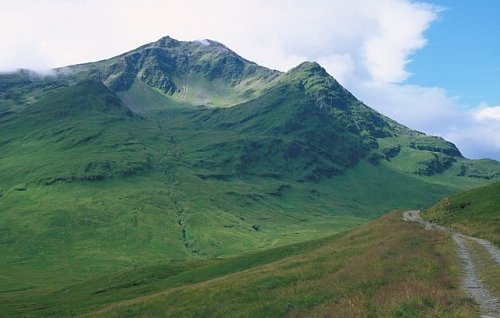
147, 81
224, 160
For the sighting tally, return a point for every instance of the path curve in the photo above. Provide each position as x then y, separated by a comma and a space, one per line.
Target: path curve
490, 306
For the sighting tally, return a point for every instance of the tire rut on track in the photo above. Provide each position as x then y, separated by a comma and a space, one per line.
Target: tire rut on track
472, 285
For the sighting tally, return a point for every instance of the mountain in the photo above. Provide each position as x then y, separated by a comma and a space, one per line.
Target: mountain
185, 150
163, 72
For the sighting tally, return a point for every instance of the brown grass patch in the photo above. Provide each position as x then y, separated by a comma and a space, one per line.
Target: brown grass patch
388, 268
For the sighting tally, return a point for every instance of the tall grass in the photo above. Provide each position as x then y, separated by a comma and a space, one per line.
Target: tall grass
385, 269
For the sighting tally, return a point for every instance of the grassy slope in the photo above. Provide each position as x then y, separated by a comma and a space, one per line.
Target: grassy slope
475, 212
93, 188
387, 268
88, 188
86, 229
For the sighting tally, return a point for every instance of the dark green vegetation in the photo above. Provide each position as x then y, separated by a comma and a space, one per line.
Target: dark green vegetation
475, 212
388, 268
130, 162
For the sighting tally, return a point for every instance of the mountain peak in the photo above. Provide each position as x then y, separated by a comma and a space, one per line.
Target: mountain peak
311, 69
166, 41
183, 71
318, 84
309, 66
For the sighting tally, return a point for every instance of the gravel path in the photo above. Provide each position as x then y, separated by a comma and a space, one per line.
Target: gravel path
490, 306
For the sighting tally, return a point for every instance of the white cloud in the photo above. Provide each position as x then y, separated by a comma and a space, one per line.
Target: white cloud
422, 108
476, 131
480, 136
365, 44
479, 132
399, 34
488, 113
342, 65
376, 36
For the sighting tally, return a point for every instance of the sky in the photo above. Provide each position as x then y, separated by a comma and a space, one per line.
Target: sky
432, 65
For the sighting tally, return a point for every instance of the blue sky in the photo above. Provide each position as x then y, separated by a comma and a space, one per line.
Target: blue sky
463, 52
432, 65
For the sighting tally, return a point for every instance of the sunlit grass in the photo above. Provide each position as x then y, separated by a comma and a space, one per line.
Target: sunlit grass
385, 269
475, 212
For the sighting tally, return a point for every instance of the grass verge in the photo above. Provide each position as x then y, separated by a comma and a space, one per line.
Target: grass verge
475, 212
487, 269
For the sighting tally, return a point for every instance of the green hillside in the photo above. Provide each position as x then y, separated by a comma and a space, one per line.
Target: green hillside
475, 212
129, 162
388, 268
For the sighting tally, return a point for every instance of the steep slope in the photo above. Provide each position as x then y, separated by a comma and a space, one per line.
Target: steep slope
160, 74
475, 212
89, 186
285, 131
173, 72
69, 135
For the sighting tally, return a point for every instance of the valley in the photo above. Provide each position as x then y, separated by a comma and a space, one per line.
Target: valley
385, 268
180, 179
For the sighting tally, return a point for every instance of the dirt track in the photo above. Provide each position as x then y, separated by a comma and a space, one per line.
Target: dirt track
490, 306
